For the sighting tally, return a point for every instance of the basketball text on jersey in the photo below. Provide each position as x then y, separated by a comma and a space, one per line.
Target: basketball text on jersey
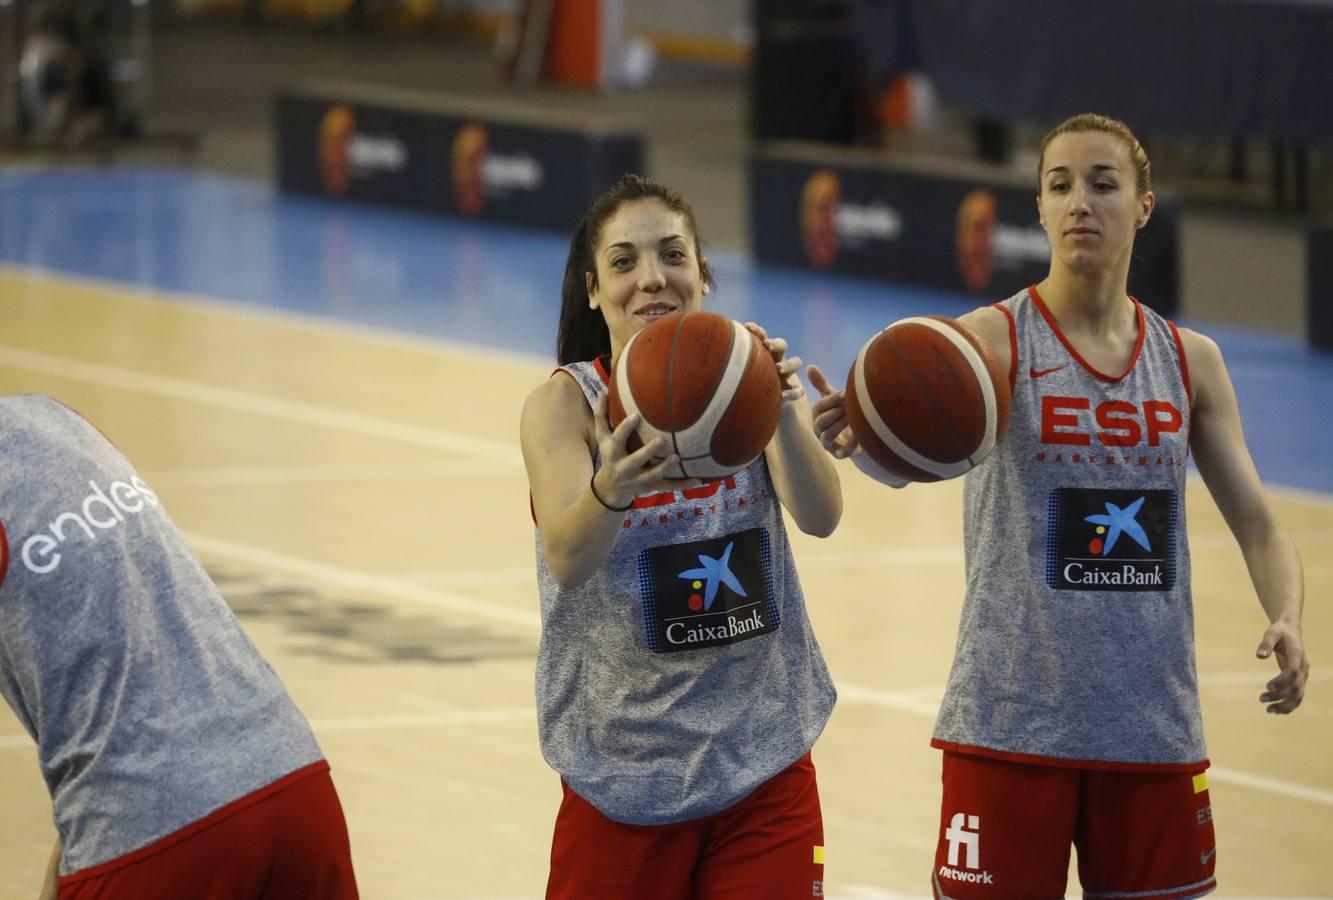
693, 503
101, 510
708, 593
1111, 540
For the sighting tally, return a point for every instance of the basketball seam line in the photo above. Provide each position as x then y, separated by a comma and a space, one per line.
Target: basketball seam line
930, 398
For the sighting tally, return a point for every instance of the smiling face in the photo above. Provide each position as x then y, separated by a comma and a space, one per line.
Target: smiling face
1089, 204
647, 266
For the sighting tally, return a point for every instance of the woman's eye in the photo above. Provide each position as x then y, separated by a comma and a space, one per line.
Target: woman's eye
622, 262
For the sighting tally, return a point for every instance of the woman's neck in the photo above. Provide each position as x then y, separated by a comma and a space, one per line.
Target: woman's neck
1094, 303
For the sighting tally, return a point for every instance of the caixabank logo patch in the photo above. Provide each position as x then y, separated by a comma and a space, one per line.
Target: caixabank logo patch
1100, 540
708, 593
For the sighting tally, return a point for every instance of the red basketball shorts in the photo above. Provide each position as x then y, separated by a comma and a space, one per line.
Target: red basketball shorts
770, 845
285, 840
1006, 829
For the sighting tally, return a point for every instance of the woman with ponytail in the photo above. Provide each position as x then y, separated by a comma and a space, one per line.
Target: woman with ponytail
683, 746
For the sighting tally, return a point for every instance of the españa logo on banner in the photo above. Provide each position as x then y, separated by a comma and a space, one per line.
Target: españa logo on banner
336, 130
346, 154
467, 169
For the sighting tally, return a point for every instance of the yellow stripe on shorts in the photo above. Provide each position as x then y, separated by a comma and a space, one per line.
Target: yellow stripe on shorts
1200, 782
819, 855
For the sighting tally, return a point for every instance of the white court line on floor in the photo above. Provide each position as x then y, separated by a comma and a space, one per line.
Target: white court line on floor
347, 579
501, 577
894, 557
312, 414
1262, 671
449, 719
903, 701
257, 404
145, 295
256, 476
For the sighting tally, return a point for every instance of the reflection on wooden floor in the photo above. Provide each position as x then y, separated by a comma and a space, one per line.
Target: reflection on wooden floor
361, 500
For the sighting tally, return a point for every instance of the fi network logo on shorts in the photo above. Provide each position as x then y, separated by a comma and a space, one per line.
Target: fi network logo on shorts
708, 593
964, 837
1099, 540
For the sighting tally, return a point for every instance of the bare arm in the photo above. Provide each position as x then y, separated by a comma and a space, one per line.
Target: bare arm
993, 328
558, 434
1218, 444
803, 475
52, 874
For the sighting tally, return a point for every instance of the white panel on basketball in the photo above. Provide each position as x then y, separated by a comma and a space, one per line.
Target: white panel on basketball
694, 444
894, 443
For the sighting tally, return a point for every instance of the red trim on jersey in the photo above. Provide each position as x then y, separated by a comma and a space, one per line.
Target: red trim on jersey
198, 825
1013, 343
1063, 763
4, 553
1184, 361
1055, 327
600, 363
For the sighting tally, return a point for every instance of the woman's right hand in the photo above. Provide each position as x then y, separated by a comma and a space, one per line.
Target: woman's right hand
625, 475
830, 412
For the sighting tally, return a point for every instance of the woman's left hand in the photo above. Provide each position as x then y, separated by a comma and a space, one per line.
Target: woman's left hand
1287, 689
792, 388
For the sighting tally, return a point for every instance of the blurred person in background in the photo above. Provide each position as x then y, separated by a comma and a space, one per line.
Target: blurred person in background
67, 96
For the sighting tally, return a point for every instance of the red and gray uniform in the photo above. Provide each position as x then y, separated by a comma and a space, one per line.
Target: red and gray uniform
150, 707
1076, 643
683, 674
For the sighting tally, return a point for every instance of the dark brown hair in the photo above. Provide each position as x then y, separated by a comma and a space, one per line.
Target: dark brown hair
583, 334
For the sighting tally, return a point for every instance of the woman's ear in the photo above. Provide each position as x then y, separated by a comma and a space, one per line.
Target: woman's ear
1146, 205
590, 282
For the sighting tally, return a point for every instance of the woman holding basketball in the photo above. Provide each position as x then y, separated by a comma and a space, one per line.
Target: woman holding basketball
1072, 710
683, 749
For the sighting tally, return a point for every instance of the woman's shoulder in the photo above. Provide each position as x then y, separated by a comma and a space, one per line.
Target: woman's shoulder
557, 402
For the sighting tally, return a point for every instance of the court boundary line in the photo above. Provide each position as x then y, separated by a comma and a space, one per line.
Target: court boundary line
242, 309
901, 701
127, 291
253, 403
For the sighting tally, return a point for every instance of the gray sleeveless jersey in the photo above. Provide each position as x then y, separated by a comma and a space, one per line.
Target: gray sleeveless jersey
684, 673
149, 706
1077, 635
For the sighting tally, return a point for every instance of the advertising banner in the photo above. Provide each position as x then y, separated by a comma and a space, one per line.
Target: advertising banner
977, 235
428, 158
1319, 289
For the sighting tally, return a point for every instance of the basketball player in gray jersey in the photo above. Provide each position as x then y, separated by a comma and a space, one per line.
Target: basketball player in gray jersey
681, 727
1071, 714
177, 764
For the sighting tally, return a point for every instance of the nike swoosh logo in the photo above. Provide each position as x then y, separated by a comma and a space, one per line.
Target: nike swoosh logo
1034, 372
1204, 857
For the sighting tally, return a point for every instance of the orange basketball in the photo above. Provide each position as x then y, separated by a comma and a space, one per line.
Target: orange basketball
926, 399
706, 383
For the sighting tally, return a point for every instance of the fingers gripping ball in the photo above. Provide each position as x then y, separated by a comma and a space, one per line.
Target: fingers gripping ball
927, 399
707, 384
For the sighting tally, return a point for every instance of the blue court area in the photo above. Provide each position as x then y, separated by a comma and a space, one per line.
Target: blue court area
236, 240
